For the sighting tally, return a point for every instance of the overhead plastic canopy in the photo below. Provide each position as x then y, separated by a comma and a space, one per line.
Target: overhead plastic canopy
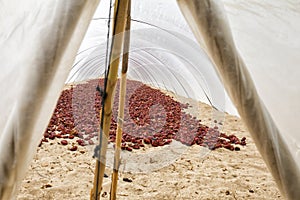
165, 53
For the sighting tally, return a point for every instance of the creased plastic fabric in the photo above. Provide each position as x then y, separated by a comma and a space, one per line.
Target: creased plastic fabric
209, 24
38, 43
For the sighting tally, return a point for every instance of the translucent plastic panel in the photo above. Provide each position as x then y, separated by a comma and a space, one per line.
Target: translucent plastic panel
277, 148
267, 35
38, 44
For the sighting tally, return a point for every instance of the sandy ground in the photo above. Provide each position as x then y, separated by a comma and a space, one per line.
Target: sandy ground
169, 172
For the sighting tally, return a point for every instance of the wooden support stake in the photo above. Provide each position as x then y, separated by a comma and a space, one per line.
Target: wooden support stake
117, 43
126, 44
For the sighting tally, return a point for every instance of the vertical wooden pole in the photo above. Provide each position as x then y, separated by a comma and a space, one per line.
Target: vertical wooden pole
117, 43
126, 44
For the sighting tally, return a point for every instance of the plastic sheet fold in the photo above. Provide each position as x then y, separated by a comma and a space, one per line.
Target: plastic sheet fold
38, 44
209, 23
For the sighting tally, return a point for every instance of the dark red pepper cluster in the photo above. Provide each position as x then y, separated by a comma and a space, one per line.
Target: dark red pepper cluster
150, 118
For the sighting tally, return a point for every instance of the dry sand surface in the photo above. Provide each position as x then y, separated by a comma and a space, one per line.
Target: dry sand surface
168, 172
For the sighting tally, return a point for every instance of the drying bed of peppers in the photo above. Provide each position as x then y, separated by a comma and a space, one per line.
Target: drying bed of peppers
150, 118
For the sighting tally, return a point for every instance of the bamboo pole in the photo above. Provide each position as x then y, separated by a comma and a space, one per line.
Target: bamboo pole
122, 95
117, 41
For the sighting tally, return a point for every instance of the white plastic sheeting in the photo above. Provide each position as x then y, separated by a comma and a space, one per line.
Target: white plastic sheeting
38, 43
39, 40
209, 23
267, 36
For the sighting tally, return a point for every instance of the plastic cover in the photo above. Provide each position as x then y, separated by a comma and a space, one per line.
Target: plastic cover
38, 43
209, 23
163, 52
